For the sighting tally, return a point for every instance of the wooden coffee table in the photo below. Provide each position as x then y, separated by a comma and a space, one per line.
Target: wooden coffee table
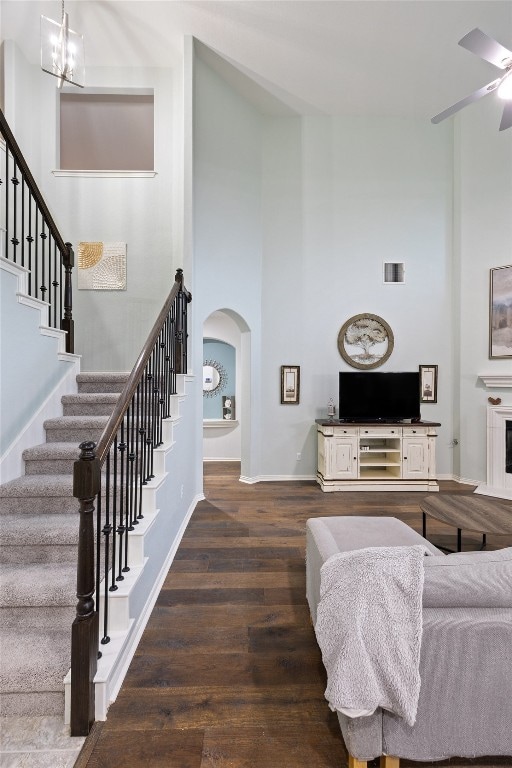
483, 514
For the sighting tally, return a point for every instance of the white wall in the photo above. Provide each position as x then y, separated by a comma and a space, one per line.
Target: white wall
110, 326
227, 232
338, 197
342, 195
484, 223
29, 363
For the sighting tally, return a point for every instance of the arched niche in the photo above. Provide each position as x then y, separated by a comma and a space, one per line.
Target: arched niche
226, 406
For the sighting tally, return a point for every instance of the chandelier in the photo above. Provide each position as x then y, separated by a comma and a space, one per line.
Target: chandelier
62, 51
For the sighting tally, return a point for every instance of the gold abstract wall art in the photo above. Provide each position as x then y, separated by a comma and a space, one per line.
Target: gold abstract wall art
102, 266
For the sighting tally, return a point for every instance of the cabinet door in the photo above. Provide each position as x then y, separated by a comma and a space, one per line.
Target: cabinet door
414, 457
343, 457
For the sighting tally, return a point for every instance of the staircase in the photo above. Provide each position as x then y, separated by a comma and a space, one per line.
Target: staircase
38, 553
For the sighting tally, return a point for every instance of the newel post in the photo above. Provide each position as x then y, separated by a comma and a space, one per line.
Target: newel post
67, 322
84, 632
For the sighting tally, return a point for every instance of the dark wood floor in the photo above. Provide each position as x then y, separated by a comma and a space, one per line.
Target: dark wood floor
228, 673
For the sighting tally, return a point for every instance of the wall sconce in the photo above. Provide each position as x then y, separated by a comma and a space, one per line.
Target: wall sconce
62, 51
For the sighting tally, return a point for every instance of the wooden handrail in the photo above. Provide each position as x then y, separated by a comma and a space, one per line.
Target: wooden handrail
12, 144
130, 387
134, 451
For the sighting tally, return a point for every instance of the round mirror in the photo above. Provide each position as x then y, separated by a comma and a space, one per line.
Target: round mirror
214, 378
211, 378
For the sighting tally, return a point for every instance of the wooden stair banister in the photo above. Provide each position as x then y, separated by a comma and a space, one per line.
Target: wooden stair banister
130, 436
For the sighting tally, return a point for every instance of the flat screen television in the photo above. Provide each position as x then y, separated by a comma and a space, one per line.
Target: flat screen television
371, 396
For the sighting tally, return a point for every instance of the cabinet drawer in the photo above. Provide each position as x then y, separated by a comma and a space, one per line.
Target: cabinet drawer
340, 431
411, 431
380, 431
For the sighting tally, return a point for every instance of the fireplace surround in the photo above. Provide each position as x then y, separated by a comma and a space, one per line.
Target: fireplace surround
499, 452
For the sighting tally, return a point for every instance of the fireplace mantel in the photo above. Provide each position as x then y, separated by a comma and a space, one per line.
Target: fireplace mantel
495, 380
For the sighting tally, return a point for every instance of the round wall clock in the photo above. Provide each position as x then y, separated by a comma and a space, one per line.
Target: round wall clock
365, 341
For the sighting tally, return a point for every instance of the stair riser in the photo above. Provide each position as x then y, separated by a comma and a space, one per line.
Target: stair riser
27, 554
25, 619
39, 505
87, 409
31, 704
50, 467
99, 387
75, 435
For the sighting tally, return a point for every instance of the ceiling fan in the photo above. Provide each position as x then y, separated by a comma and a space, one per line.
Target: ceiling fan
488, 49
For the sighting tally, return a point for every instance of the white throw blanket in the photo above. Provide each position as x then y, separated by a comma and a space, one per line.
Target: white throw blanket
369, 626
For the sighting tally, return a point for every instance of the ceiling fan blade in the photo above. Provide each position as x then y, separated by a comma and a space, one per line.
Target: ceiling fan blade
506, 118
484, 46
468, 100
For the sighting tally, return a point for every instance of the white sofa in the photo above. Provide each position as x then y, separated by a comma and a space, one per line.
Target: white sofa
465, 702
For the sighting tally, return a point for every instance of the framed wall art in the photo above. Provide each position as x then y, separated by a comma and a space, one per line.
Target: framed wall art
500, 320
428, 383
101, 266
365, 341
290, 384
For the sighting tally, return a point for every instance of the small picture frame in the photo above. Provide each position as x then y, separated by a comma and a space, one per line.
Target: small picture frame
428, 383
228, 407
290, 384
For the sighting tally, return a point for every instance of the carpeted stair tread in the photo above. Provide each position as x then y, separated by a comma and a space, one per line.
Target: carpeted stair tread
89, 403
70, 429
22, 670
101, 381
42, 584
39, 524
57, 450
38, 539
38, 529
38, 485
30, 618
61, 422
32, 705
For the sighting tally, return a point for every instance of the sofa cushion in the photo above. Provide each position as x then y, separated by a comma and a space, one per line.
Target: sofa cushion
469, 580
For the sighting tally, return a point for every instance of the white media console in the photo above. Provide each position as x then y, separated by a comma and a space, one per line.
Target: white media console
377, 457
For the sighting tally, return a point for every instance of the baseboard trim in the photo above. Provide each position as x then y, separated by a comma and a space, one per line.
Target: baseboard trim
275, 478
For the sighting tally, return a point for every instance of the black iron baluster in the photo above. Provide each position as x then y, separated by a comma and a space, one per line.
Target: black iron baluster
30, 240
172, 348
121, 527
131, 458
166, 364
22, 243
158, 393
36, 256
138, 458
14, 240
127, 527
6, 201
152, 416
43, 259
106, 530
142, 430
114, 586
55, 284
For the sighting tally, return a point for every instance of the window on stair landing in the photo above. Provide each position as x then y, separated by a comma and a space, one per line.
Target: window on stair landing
102, 131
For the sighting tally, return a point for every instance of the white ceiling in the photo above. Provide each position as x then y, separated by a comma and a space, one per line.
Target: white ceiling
369, 57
